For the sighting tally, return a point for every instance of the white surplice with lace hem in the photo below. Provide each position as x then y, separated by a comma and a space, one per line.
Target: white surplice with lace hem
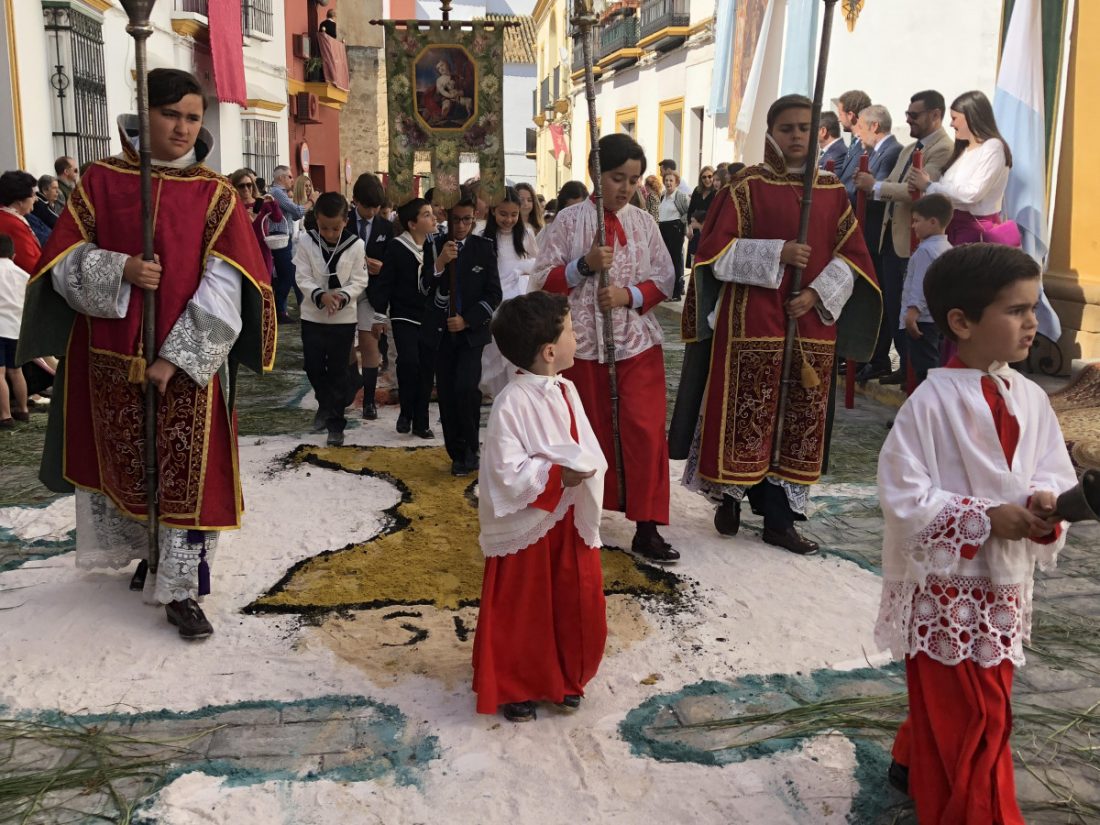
941, 469
528, 434
644, 258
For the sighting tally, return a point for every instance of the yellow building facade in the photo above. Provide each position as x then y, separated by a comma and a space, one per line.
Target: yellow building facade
1073, 278
552, 108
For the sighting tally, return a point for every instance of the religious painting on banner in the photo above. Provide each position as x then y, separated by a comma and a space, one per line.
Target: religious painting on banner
445, 97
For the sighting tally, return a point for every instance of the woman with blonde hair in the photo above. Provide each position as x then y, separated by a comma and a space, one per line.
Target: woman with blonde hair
652, 195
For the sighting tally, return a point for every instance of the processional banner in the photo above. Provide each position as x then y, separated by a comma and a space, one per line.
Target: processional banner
445, 95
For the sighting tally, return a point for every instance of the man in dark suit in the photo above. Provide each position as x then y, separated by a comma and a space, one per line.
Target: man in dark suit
456, 326
925, 118
828, 138
848, 107
366, 222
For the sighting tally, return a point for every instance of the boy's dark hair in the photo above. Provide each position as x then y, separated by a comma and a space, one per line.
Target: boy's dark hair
617, 149
970, 277
666, 164
523, 326
855, 101
16, 185
331, 205
407, 213
787, 102
935, 206
168, 86
571, 190
466, 199
831, 124
7, 247
368, 191
931, 100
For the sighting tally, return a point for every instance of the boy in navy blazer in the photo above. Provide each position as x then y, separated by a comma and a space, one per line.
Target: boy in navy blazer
365, 221
457, 328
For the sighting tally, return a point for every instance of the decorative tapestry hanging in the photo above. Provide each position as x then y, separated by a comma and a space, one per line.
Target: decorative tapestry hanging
445, 96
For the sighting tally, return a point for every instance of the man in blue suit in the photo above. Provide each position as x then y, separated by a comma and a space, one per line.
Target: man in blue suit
848, 107
874, 127
828, 139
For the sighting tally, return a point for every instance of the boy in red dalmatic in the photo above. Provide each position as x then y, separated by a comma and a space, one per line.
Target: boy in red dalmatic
542, 624
640, 276
214, 310
968, 479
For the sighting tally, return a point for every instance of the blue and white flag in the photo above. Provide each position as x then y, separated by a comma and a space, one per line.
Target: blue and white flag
724, 26
1018, 104
800, 48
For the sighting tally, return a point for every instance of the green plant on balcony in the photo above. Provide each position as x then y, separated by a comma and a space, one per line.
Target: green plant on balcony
315, 70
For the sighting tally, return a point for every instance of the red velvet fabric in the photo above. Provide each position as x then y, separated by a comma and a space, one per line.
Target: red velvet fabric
542, 624
226, 52
641, 428
957, 736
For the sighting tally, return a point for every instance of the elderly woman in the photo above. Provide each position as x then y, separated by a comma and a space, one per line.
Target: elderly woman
672, 215
47, 204
16, 202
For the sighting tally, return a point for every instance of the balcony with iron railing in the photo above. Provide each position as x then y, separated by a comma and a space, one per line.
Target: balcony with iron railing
619, 41
191, 18
664, 23
578, 54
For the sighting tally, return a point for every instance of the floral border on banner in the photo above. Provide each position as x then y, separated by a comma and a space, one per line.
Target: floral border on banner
482, 133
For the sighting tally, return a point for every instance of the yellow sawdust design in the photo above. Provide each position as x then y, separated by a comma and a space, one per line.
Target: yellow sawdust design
430, 555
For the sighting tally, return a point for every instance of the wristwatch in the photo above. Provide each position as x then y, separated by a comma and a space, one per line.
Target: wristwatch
583, 268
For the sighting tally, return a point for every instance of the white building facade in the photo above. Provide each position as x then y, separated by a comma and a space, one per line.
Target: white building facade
69, 73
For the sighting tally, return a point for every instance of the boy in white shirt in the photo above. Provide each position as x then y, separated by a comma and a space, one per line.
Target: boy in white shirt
330, 269
542, 624
13, 285
967, 480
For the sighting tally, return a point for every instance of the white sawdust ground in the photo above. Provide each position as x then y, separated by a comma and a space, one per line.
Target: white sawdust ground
81, 642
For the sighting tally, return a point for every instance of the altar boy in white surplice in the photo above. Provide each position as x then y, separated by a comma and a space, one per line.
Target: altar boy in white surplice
542, 624
967, 480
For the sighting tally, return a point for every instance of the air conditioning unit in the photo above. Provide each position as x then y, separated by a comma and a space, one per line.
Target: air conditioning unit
303, 46
307, 108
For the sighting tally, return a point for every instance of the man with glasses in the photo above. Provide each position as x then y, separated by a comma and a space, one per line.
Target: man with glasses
284, 258
925, 119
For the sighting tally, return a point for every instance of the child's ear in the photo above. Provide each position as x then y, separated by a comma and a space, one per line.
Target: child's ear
547, 353
959, 324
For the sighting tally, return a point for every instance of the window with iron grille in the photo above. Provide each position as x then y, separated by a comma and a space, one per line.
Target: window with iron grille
75, 47
260, 146
257, 17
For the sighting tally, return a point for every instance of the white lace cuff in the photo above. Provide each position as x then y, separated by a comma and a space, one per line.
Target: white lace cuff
90, 281
936, 549
833, 285
751, 261
199, 343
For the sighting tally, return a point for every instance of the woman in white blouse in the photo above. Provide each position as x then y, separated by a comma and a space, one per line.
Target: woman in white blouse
672, 217
976, 176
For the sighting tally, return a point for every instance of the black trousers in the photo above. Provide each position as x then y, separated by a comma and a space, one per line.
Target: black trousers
325, 351
457, 375
415, 373
891, 273
770, 501
924, 352
284, 278
672, 233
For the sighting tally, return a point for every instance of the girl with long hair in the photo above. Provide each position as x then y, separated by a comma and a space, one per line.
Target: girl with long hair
516, 249
975, 178
530, 210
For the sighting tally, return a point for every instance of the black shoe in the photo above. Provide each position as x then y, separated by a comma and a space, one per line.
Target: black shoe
320, 421
370, 412
403, 424
650, 545
519, 711
459, 468
896, 377
335, 439
571, 701
425, 432
138, 581
898, 776
869, 371
189, 618
790, 539
727, 518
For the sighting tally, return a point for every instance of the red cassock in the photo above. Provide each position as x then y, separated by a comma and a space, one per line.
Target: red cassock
740, 405
542, 624
197, 215
955, 741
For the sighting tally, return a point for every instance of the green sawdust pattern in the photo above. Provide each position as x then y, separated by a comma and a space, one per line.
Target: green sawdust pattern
428, 554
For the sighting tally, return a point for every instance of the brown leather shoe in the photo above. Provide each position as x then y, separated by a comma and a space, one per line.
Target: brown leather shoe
651, 546
790, 539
